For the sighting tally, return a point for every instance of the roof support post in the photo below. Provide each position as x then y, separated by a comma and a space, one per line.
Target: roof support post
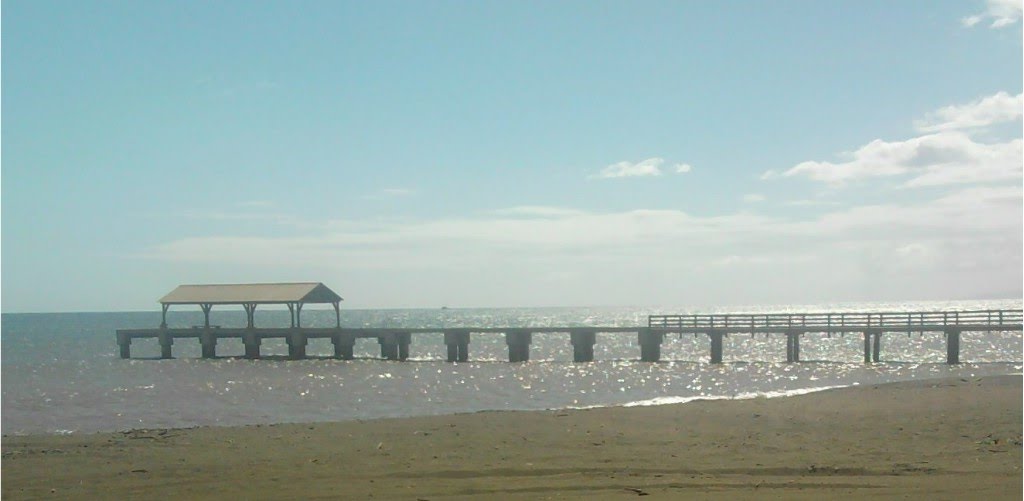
291, 310
337, 314
163, 317
298, 314
206, 307
250, 314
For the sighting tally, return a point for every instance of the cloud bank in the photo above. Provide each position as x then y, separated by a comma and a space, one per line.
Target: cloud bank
964, 242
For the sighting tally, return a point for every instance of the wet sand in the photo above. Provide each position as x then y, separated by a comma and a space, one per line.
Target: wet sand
935, 439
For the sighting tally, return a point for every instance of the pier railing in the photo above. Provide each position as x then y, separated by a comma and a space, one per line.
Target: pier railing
836, 321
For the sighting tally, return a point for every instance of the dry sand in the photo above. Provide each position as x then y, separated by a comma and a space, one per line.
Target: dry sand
936, 439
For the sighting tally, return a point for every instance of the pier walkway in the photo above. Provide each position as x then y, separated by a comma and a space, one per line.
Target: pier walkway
395, 342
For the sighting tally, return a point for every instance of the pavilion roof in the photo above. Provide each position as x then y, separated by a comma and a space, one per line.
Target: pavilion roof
279, 293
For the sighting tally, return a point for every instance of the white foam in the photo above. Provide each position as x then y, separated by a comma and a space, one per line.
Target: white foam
739, 396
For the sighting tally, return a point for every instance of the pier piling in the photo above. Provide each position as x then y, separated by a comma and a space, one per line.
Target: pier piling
650, 345
518, 342
876, 348
867, 347
252, 345
344, 346
458, 345
403, 339
297, 345
209, 344
583, 345
124, 343
792, 347
952, 346
716, 346
166, 341
388, 345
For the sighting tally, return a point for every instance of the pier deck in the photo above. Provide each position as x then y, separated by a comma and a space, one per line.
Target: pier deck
395, 342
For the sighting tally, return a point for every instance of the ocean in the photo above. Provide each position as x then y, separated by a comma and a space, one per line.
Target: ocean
61, 373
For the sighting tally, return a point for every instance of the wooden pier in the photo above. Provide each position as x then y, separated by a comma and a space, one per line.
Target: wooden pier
395, 343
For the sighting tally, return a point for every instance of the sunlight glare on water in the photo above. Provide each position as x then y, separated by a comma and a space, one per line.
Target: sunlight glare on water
61, 373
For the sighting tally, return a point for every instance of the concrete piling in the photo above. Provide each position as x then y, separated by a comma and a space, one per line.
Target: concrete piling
252, 344
518, 342
716, 346
344, 346
388, 345
953, 346
296, 345
458, 345
792, 347
166, 342
583, 345
208, 341
404, 339
124, 344
876, 347
650, 345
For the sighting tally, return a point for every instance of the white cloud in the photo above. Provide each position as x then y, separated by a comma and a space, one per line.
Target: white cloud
649, 167
943, 158
1003, 13
753, 198
997, 108
947, 154
970, 21
645, 168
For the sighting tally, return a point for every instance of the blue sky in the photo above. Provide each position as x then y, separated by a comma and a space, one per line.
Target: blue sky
512, 153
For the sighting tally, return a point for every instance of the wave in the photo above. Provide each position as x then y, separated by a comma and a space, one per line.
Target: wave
740, 396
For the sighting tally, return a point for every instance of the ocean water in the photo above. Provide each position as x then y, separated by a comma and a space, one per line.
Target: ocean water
61, 373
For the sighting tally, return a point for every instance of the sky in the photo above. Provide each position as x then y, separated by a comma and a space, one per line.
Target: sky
492, 154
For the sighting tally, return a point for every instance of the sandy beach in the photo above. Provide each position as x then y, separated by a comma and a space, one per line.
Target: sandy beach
935, 439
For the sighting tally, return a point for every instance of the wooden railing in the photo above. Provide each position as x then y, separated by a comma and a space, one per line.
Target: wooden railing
837, 321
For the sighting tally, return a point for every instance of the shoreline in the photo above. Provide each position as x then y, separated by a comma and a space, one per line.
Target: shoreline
951, 438
1012, 370
653, 402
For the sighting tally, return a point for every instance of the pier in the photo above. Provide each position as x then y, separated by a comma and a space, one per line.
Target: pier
872, 326
396, 343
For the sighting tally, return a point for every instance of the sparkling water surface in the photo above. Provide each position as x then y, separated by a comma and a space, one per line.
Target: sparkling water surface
61, 373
